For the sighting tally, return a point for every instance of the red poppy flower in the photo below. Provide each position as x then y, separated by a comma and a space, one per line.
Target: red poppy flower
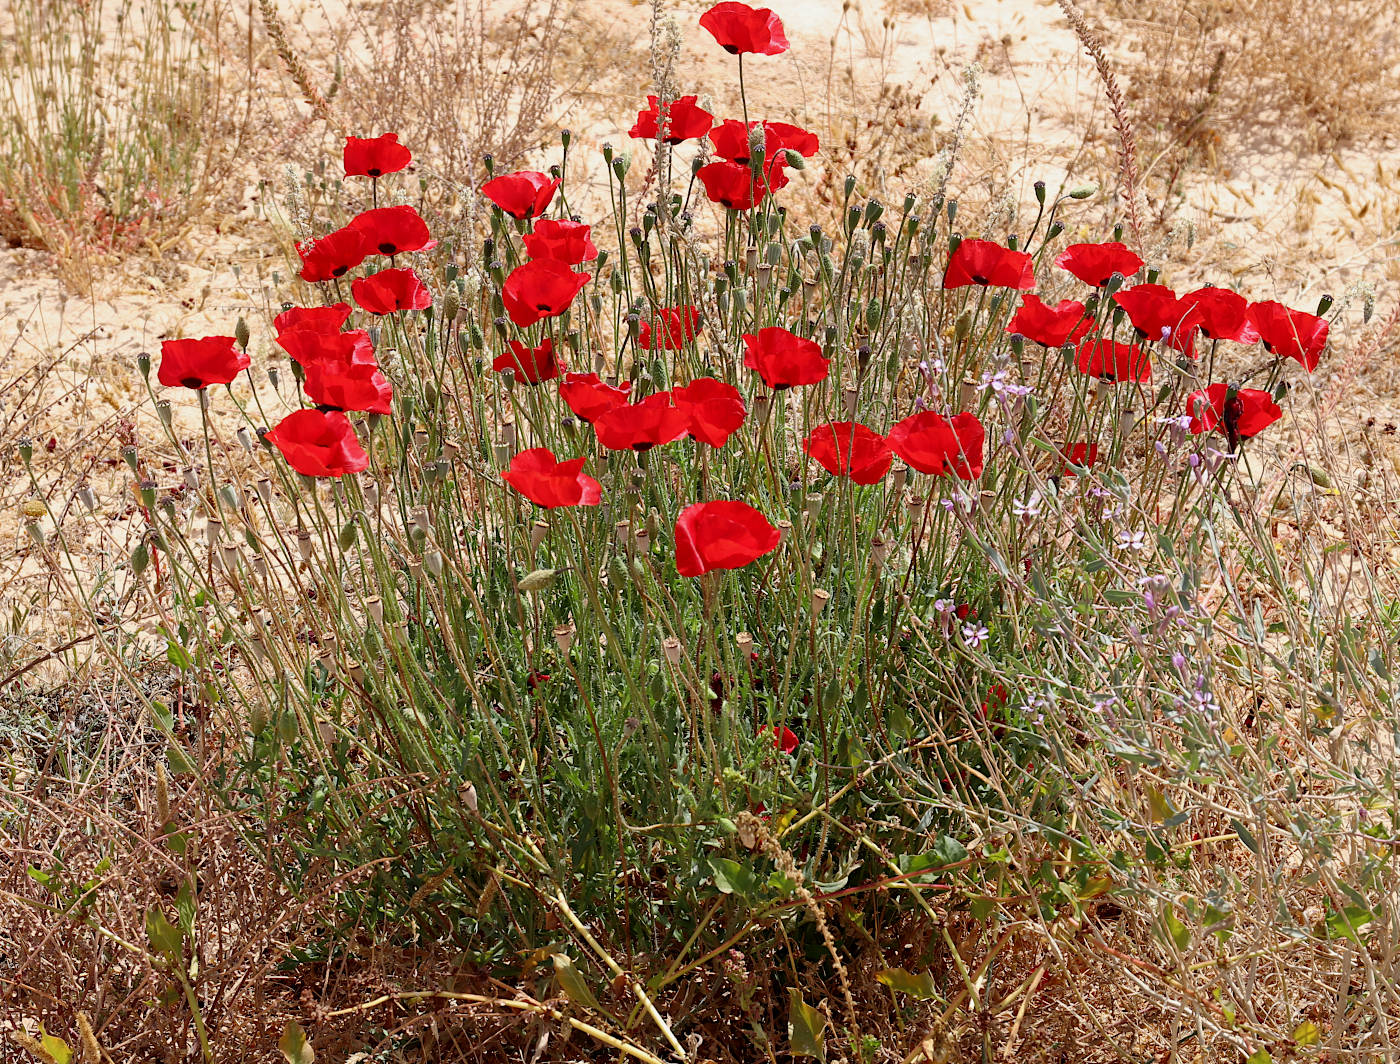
316, 319
549, 483
310, 346
319, 443
986, 262
850, 449
532, 365
674, 326
1220, 314
568, 242
641, 426
375, 156
589, 398
731, 141
1294, 334
784, 360
1247, 413
199, 363
739, 28
731, 185
348, 385
1109, 360
721, 535
393, 230
1096, 264
390, 290
937, 445
523, 194
784, 738
1082, 455
541, 288
333, 255
1159, 317
1037, 321
686, 120
714, 410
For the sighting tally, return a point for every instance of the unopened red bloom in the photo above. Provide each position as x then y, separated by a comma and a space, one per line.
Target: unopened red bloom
1220, 314
1244, 414
1159, 317
850, 449
541, 288
1065, 322
532, 365
375, 156
739, 28
1096, 264
784, 738
333, 255
1112, 361
568, 242
393, 230
309, 346
523, 194
319, 443
731, 185
641, 426
669, 328
348, 385
714, 410
938, 445
721, 535
316, 319
1294, 334
200, 363
686, 120
589, 397
784, 360
543, 480
390, 290
985, 262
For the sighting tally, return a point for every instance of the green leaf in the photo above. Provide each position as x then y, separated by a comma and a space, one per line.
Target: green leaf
571, 981
916, 986
1179, 932
806, 1028
1260, 1056
294, 1044
178, 655
1348, 922
946, 851
56, 1048
185, 908
733, 878
1307, 1033
1245, 837
164, 937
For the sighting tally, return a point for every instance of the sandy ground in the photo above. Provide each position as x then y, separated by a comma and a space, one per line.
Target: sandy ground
879, 83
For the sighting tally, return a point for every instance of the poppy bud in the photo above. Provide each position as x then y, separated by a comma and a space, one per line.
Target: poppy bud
1084, 192
962, 326
348, 534
794, 159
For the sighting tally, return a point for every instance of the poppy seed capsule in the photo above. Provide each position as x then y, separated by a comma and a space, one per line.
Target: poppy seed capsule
819, 600
784, 528
355, 671
508, 433
967, 393
213, 530
375, 607
744, 642
879, 551
914, 507
671, 647
86, 497
433, 562
538, 531
897, 480
259, 564
564, 637
163, 412
304, 545
191, 477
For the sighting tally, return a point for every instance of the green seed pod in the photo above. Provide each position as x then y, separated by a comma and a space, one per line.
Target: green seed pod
451, 305
1083, 191
140, 558
241, 333
349, 532
143, 363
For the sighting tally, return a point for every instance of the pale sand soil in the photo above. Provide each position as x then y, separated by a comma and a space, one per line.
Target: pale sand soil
874, 84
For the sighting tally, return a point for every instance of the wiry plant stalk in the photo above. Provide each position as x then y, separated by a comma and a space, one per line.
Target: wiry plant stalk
312, 95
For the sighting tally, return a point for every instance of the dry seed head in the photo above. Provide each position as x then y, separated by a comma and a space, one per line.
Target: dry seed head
899, 477
879, 551
744, 642
819, 600
538, 531
671, 647
213, 531
304, 545
564, 637
375, 606
191, 475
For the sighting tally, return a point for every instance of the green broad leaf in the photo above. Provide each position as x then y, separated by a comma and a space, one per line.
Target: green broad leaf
919, 987
178, 655
571, 982
538, 579
55, 1047
946, 851
294, 1044
806, 1028
1251, 843
185, 908
164, 937
1179, 932
1348, 922
1260, 1056
733, 878
1307, 1033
